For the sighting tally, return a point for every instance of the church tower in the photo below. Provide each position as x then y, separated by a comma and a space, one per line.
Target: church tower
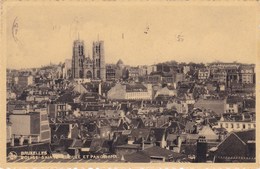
99, 66
78, 58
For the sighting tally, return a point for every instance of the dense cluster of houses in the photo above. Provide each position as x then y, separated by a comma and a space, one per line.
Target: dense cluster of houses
169, 112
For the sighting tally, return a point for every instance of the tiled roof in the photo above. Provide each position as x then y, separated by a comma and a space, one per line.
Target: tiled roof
67, 98
135, 88
249, 103
157, 133
137, 157
77, 143
246, 136
139, 133
189, 125
234, 99
171, 137
158, 151
96, 144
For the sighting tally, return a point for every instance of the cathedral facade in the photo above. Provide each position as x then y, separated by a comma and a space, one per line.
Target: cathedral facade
85, 67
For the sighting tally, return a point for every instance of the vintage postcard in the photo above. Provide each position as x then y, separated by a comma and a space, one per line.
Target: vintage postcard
151, 84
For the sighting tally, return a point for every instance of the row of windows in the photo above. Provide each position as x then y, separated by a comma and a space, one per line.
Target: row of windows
138, 94
237, 125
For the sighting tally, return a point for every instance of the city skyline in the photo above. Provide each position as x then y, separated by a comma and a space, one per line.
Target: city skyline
138, 36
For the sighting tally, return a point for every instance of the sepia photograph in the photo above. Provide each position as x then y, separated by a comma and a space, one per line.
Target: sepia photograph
130, 82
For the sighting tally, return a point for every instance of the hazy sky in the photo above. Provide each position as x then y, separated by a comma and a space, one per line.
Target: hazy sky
45, 34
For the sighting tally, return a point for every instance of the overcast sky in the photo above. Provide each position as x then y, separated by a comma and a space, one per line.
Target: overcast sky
45, 33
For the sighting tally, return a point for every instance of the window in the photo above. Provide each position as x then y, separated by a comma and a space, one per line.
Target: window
231, 105
232, 125
249, 126
244, 126
238, 125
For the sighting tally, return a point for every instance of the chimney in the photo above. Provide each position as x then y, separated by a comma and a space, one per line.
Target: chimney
38, 138
12, 140
179, 141
142, 143
30, 140
99, 124
99, 89
21, 140
243, 117
202, 148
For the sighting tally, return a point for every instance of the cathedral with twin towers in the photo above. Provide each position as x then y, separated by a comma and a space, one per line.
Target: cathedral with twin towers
85, 67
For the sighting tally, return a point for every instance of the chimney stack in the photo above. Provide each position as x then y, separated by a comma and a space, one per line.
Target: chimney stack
12, 140
99, 89
142, 143
202, 148
21, 140
30, 140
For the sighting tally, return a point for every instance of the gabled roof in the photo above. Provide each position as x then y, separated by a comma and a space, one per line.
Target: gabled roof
208, 133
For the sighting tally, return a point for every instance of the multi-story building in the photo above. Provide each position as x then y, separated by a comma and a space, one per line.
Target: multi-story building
203, 74
232, 76
220, 76
130, 92
247, 74
154, 79
32, 125
111, 72
24, 79
58, 110
234, 104
236, 123
133, 73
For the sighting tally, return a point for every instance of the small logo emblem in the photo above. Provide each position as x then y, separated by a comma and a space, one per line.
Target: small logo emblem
12, 155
